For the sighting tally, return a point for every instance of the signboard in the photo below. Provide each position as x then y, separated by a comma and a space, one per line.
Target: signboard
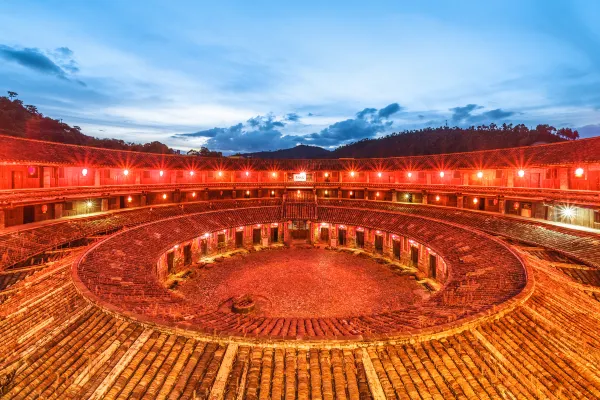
301, 177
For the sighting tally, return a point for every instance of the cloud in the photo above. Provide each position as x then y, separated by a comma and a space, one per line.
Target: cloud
497, 114
259, 133
387, 111
465, 114
36, 60
367, 124
459, 114
292, 117
367, 111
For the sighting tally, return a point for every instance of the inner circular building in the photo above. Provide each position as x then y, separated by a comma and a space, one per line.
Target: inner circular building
325, 279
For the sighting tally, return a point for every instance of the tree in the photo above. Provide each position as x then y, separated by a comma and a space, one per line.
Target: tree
32, 109
12, 95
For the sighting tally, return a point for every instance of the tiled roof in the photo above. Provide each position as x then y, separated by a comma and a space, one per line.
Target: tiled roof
17, 150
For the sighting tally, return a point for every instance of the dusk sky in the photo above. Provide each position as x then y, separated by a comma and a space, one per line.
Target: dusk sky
260, 75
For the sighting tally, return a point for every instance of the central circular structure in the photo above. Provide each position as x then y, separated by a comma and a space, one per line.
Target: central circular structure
304, 283
300, 294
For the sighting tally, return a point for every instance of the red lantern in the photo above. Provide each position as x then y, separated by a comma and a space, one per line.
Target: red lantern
516, 205
44, 209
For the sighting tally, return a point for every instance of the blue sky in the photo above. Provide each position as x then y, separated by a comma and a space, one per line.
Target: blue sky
260, 75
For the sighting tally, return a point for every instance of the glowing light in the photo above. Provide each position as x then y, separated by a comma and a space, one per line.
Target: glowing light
247, 192
176, 246
406, 196
521, 173
224, 230
298, 192
379, 174
579, 172
324, 224
205, 235
272, 192
193, 194
274, 174
442, 174
84, 172
567, 212
220, 173
191, 173
377, 194
352, 173
247, 173
480, 174
351, 193
89, 204
161, 172
437, 198
409, 174
360, 229
378, 232
258, 225
129, 199
164, 196
516, 205
475, 200
326, 192
326, 174
241, 228
274, 224
125, 172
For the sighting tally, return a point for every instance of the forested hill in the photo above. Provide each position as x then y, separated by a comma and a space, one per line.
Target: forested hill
17, 119
453, 140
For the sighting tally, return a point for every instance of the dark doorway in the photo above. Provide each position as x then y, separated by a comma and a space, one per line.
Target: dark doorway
187, 254
414, 255
432, 266
204, 247
360, 239
17, 180
239, 239
324, 235
396, 249
122, 202
342, 237
256, 236
170, 262
28, 214
274, 235
221, 241
481, 204
379, 243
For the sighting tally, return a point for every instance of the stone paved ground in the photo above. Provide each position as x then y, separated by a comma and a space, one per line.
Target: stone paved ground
304, 283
